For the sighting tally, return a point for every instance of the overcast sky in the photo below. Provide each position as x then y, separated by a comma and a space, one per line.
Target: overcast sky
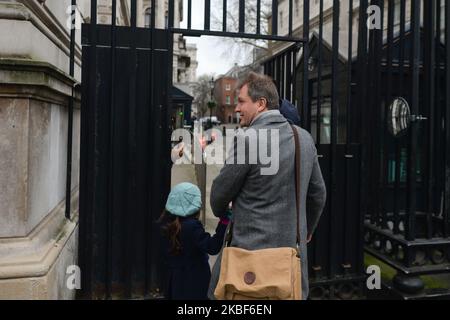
212, 55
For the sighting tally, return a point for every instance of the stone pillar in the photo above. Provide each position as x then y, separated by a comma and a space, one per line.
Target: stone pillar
37, 242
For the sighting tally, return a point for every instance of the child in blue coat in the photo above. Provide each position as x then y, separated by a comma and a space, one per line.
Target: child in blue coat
186, 245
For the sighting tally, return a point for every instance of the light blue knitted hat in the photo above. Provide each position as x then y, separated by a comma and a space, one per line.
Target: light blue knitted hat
184, 200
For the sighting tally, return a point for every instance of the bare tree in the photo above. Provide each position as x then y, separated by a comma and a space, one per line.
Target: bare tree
240, 48
202, 93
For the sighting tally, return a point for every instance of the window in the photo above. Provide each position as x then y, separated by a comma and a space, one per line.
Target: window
297, 7
235, 99
148, 17
281, 19
228, 100
228, 87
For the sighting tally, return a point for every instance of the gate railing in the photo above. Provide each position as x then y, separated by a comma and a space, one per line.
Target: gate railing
407, 121
256, 31
344, 89
125, 157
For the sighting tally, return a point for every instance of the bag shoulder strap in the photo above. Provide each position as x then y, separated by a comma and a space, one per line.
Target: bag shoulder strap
297, 180
229, 234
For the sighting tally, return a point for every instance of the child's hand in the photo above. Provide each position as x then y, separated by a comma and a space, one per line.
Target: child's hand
224, 220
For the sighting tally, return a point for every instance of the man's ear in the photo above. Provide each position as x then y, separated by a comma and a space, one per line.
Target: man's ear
262, 105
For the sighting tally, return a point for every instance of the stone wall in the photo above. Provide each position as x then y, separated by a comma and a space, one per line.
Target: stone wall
37, 242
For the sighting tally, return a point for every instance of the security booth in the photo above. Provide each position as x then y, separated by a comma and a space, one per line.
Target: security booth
181, 108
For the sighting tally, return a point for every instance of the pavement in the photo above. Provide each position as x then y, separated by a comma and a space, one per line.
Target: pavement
183, 173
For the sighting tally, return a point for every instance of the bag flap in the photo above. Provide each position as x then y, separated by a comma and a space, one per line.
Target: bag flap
258, 273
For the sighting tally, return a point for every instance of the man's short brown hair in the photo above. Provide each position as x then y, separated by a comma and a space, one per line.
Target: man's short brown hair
261, 86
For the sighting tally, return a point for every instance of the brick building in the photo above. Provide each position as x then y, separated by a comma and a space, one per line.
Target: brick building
226, 97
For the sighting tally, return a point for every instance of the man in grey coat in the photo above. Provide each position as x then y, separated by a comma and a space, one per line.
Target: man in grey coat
264, 206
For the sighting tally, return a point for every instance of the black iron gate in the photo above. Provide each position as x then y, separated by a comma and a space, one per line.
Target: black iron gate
125, 153
344, 88
125, 164
407, 202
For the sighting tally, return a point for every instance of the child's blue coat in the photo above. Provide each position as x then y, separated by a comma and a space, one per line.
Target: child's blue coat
188, 274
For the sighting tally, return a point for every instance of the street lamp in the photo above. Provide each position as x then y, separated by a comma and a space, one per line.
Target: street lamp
211, 103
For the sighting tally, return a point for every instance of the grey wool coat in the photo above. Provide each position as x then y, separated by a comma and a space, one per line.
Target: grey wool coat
264, 206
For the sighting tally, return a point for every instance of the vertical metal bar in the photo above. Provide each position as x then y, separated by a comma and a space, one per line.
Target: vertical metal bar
378, 120
278, 73
207, 14
369, 114
224, 19
305, 101
241, 16
151, 197
293, 96
348, 190
168, 98
288, 58
275, 17
447, 122
153, 15
333, 131
283, 77
110, 178
294, 77
362, 110
258, 16
189, 14
290, 18
134, 13
91, 168
439, 159
274, 69
72, 39
317, 252
387, 100
401, 75
132, 150
319, 75
412, 156
349, 72
429, 76
70, 115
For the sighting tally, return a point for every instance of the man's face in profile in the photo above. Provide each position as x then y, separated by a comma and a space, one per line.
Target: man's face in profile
246, 107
